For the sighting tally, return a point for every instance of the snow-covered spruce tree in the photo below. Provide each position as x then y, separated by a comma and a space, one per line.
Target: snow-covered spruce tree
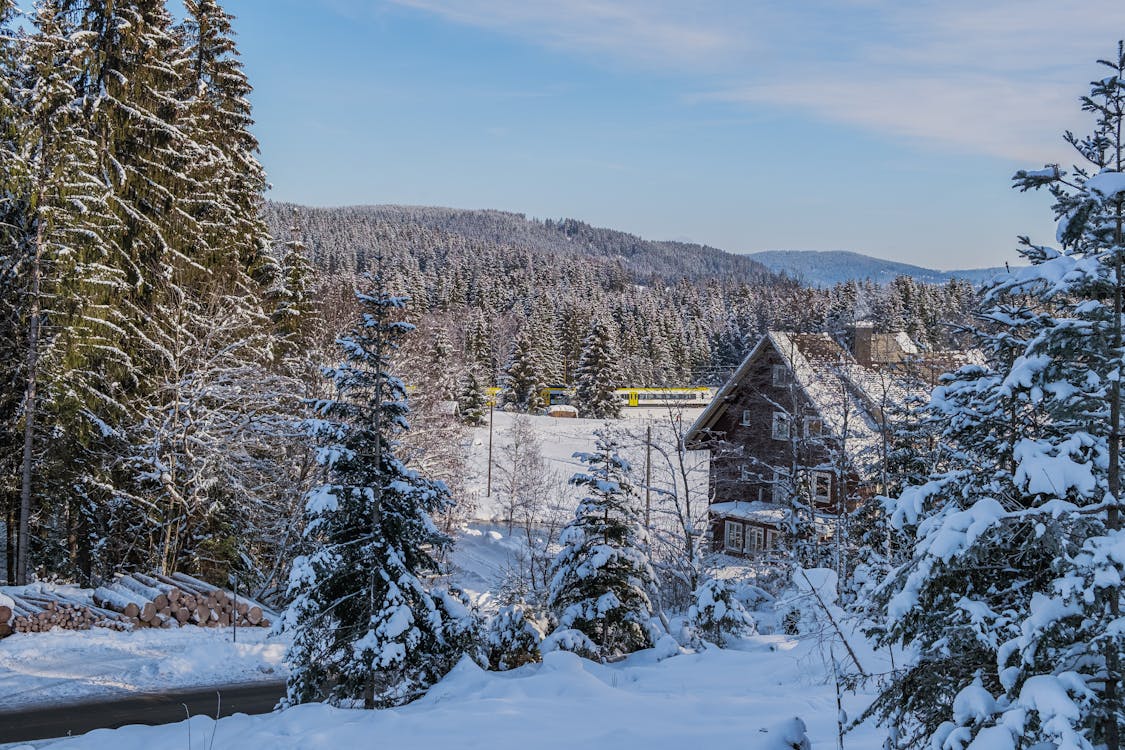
523, 378
217, 116
473, 402
70, 349
1012, 597
366, 626
596, 378
601, 580
295, 311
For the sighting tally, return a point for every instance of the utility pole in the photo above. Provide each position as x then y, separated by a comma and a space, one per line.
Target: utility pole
491, 409
648, 477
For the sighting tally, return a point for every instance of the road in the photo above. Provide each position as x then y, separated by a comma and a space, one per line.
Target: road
145, 708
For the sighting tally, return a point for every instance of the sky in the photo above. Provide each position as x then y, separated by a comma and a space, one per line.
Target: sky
884, 127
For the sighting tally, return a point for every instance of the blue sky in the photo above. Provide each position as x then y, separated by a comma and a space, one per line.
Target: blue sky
880, 126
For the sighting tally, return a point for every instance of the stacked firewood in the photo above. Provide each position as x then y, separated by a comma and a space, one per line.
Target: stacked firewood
159, 601
39, 611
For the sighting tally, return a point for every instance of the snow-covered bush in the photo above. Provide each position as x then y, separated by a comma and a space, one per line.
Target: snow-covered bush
573, 641
790, 734
512, 639
718, 614
461, 626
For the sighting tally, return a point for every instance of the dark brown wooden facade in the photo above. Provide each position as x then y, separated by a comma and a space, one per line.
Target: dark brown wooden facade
767, 437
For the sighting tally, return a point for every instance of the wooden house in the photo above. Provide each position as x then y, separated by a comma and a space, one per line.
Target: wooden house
800, 425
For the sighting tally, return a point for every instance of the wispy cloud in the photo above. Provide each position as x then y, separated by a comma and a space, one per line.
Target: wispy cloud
998, 78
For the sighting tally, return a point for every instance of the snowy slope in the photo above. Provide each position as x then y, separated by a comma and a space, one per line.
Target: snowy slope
719, 698
559, 440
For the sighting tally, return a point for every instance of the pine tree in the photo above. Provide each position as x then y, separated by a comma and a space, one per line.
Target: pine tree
366, 627
218, 119
595, 380
523, 378
69, 331
601, 580
295, 311
473, 403
1014, 590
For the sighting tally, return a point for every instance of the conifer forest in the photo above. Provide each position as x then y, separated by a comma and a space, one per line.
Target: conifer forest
448, 466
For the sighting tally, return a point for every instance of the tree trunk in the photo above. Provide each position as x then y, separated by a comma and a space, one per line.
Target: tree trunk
24, 539
1113, 515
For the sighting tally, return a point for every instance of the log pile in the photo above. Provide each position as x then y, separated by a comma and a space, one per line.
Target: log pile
159, 601
131, 601
40, 611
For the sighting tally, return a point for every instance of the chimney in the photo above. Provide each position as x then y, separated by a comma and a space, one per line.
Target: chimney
862, 337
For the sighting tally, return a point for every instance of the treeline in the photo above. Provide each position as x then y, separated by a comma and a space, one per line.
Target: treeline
676, 313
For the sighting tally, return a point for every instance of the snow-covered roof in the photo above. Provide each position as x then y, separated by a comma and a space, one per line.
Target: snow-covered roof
767, 514
758, 512
850, 397
845, 394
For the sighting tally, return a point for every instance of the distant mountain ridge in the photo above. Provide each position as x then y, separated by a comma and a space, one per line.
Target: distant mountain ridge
826, 268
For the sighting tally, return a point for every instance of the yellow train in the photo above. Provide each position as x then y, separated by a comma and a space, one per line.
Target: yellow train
699, 396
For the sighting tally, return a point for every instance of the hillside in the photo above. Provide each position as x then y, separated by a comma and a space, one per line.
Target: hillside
827, 268
679, 313
645, 260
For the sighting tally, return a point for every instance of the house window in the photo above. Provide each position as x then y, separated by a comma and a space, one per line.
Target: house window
745, 417
813, 426
822, 486
744, 473
780, 427
777, 492
771, 540
779, 375
754, 539
733, 535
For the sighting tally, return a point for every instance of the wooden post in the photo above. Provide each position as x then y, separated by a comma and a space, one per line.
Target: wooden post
234, 611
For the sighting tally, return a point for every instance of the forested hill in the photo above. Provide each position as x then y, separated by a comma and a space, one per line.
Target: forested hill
508, 293
645, 260
825, 268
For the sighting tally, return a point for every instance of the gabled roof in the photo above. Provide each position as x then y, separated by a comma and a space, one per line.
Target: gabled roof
848, 396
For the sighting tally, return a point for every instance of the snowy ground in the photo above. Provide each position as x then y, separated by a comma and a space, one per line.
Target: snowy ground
719, 698
66, 665
560, 439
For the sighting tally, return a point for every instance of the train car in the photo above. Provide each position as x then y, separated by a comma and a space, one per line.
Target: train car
648, 397
639, 397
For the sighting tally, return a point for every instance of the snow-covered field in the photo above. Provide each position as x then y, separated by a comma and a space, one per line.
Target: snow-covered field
68, 665
560, 439
719, 698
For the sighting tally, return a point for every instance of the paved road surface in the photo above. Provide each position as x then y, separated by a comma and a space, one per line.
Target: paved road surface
144, 708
